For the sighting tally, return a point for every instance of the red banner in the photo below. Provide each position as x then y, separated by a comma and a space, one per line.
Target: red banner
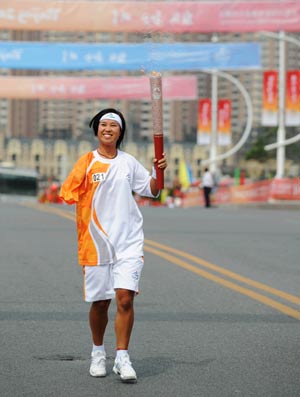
149, 16
224, 122
256, 192
204, 122
285, 189
270, 98
292, 115
174, 87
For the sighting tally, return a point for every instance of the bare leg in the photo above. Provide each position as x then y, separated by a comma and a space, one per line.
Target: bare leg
124, 317
98, 320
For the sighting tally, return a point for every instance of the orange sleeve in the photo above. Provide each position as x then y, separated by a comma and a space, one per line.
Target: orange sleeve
72, 186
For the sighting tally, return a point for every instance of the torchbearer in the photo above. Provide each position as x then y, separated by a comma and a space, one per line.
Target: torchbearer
157, 119
110, 234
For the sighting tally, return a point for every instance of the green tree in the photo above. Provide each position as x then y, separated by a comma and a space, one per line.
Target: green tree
293, 150
256, 150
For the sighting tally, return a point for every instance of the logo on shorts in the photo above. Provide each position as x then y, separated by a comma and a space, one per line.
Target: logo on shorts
135, 275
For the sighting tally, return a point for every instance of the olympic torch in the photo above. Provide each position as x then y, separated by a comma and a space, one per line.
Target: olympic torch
157, 120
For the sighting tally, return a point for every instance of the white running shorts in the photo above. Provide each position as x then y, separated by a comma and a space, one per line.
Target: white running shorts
101, 281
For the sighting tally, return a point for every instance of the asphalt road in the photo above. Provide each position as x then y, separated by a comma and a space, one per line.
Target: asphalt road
218, 313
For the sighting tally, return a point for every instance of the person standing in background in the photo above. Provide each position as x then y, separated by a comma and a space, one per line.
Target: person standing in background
207, 184
110, 234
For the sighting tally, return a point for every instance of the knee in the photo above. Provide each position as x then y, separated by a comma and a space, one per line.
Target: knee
101, 306
125, 301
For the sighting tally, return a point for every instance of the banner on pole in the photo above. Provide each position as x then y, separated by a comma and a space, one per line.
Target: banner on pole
292, 114
224, 122
204, 122
270, 99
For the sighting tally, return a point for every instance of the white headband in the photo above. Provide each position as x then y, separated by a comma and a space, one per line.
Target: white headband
112, 116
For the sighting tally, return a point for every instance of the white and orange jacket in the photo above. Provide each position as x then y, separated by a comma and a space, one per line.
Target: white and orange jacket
109, 222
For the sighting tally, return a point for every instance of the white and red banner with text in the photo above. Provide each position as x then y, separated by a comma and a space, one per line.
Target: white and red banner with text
292, 104
21, 87
224, 122
285, 189
151, 16
270, 98
204, 121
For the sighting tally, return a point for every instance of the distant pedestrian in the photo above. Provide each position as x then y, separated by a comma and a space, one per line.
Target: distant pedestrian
207, 184
110, 234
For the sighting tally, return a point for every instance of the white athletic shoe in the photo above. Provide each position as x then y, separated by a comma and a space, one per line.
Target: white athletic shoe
123, 367
98, 367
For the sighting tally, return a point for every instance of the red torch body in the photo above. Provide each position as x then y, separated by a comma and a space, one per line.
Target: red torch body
157, 118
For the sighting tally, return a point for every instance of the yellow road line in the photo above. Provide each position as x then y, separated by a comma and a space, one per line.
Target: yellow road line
235, 287
53, 210
203, 273
228, 273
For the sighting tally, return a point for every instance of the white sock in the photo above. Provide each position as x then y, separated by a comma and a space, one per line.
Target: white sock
121, 353
98, 348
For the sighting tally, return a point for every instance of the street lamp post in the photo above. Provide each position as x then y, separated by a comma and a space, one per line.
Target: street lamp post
281, 135
213, 154
214, 122
214, 116
280, 159
214, 157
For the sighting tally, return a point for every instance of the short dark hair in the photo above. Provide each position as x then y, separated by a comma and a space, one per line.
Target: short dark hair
94, 123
